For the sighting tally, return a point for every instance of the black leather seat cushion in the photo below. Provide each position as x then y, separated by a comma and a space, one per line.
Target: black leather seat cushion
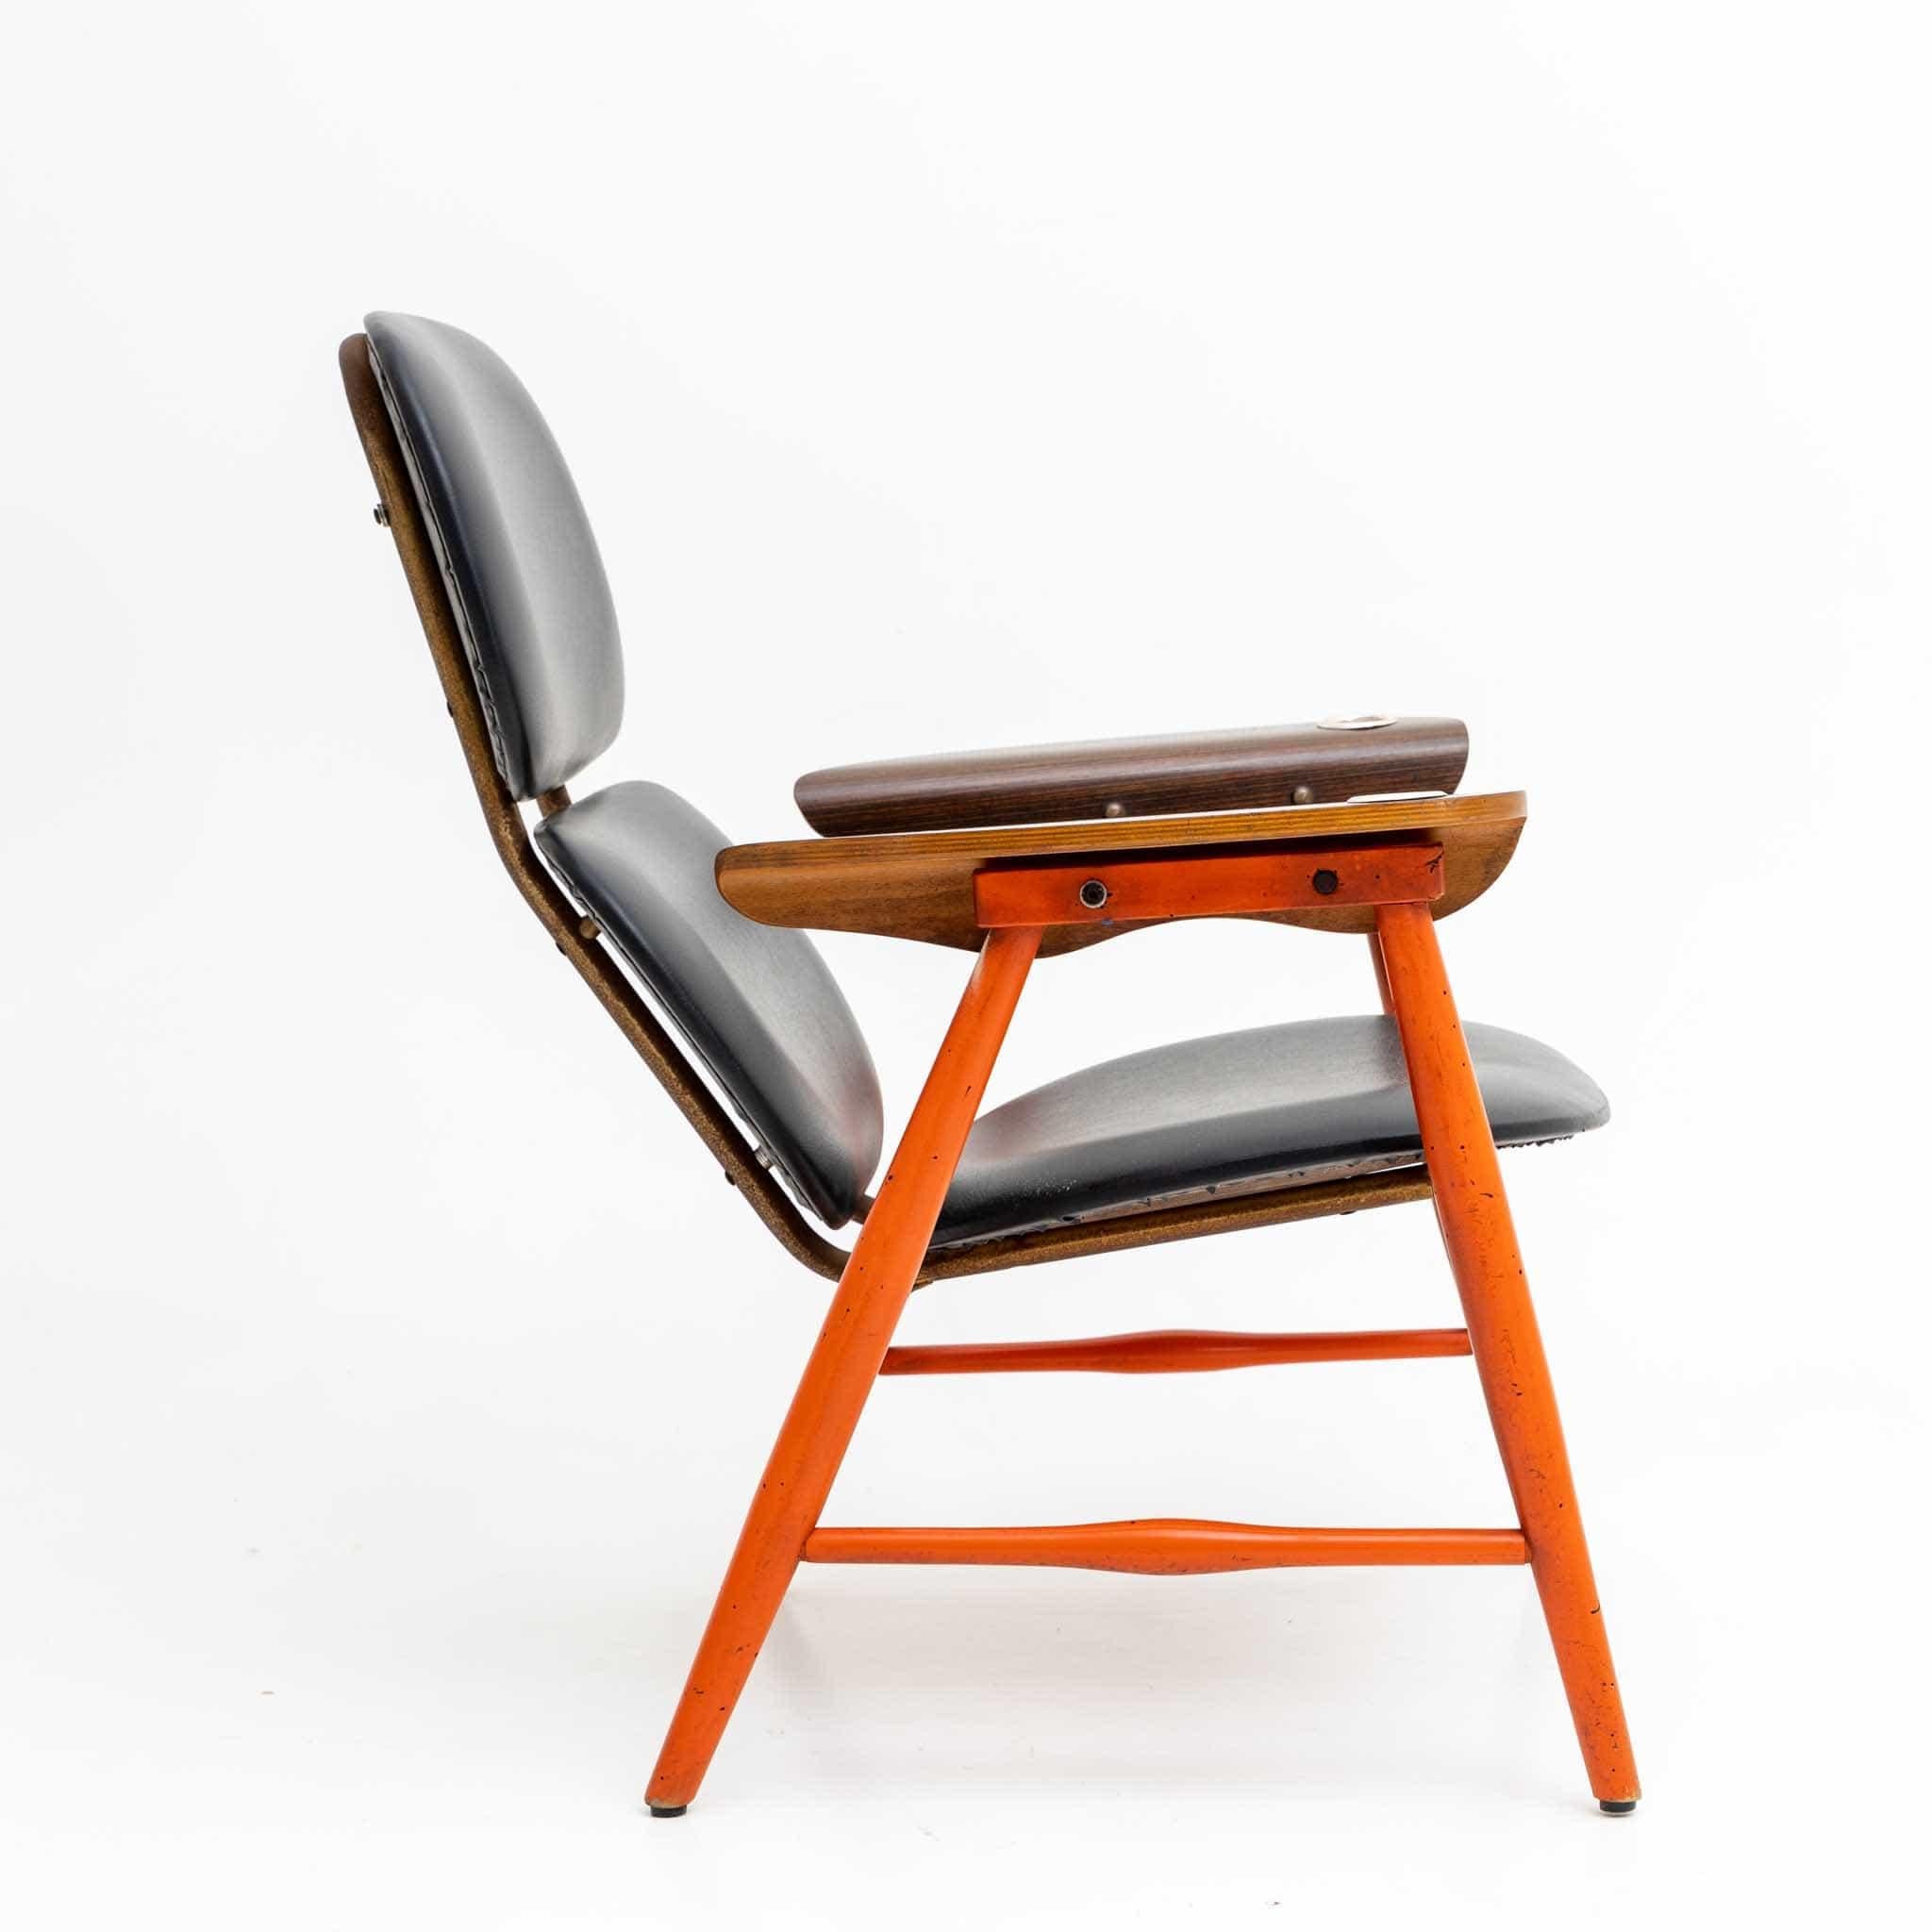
755, 1003
1272, 1106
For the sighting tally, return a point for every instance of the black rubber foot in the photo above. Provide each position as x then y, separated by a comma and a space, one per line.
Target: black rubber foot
668, 1810
1617, 1807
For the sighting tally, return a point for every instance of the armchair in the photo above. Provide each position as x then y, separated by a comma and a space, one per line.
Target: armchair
698, 949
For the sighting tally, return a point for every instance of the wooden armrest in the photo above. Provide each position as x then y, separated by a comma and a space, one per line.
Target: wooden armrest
1136, 777
919, 885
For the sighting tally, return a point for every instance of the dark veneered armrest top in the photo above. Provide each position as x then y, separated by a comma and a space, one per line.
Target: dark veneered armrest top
1138, 777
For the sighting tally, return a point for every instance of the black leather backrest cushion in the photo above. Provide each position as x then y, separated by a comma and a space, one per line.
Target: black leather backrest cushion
518, 556
755, 1002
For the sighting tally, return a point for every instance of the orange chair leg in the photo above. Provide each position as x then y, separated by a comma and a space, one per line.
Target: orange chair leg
1481, 1237
843, 1365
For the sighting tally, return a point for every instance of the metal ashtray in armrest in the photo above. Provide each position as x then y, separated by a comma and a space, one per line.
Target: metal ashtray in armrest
1138, 777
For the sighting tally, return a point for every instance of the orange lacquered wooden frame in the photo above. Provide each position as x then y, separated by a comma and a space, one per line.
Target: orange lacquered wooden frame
1017, 904
1389, 869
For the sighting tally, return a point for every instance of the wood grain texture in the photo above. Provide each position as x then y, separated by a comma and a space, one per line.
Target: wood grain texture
1134, 778
919, 885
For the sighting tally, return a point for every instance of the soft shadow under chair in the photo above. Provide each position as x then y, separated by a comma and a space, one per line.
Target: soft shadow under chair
694, 947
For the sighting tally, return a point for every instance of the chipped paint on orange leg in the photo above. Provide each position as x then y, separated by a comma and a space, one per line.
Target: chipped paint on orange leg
843, 1365
1481, 1237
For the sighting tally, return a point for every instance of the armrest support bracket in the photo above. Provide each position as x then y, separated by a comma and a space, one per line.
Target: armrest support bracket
1108, 891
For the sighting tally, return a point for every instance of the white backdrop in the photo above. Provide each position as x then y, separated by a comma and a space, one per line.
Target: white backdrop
386, 1369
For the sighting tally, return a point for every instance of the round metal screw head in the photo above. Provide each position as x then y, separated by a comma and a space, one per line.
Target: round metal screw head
1325, 881
382, 515
1093, 894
